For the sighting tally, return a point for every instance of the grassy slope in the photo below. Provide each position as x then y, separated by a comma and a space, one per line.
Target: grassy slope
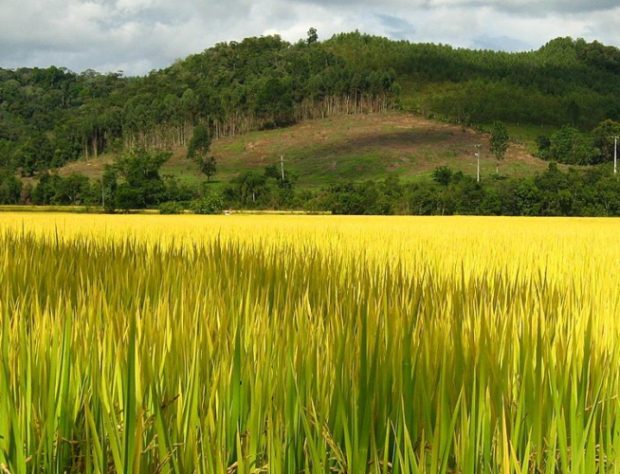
347, 148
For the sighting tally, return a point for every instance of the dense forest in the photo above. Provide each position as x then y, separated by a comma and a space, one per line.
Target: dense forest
51, 116
566, 82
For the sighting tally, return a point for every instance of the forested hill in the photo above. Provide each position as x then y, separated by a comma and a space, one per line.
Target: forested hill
51, 116
566, 82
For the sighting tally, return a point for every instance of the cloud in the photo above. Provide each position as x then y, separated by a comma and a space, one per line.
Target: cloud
499, 43
139, 35
397, 27
526, 7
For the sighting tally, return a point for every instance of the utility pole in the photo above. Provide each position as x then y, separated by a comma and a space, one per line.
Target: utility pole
616, 155
102, 194
282, 166
478, 162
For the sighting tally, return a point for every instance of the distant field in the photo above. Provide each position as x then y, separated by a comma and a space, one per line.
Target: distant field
349, 148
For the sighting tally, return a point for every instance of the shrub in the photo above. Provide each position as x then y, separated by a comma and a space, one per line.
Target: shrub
209, 204
170, 207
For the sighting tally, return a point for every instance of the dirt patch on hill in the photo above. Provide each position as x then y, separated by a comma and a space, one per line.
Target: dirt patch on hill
92, 167
402, 141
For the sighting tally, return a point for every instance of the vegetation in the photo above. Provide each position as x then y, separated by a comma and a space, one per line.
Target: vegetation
51, 116
170, 207
552, 193
499, 142
198, 150
566, 81
135, 183
208, 204
238, 344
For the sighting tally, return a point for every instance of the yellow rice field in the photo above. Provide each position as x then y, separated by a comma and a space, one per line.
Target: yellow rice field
285, 344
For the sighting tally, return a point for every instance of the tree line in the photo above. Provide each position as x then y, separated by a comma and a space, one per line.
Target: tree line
135, 181
577, 147
594, 192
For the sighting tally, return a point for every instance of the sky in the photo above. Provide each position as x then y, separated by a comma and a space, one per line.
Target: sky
137, 36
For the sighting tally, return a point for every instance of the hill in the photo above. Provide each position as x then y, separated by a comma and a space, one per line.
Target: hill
344, 164
347, 115
52, 116
346, 147
566, 81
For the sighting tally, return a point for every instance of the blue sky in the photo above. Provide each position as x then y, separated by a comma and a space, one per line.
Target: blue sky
136, 36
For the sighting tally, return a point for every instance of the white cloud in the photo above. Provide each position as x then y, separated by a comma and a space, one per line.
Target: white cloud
139, 35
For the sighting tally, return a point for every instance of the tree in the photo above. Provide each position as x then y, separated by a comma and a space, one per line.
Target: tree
209, 167
499, 142
198, 150
74, 189
10, 188
313, 36
543, 144
250, 187
35, 155
199, 144
128, 198
108, 189
142, 185
569, 145
210, 204
604, 137
46, 189
442, 175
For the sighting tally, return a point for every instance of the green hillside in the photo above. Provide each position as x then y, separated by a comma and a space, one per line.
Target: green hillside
347, 115
354, 147
52, 116
566, 81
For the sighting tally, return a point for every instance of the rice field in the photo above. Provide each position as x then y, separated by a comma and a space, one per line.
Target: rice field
318, 344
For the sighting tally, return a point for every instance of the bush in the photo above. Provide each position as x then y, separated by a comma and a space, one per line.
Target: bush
569, 145
209, 204
170, 207
442, 175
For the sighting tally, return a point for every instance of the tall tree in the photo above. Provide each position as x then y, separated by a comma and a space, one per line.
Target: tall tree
605, 135
109, 184
200, 143
499, 142
313, 36
142, 185
198, 150
209, 167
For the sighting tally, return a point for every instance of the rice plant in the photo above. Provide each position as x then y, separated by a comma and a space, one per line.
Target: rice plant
287, 344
